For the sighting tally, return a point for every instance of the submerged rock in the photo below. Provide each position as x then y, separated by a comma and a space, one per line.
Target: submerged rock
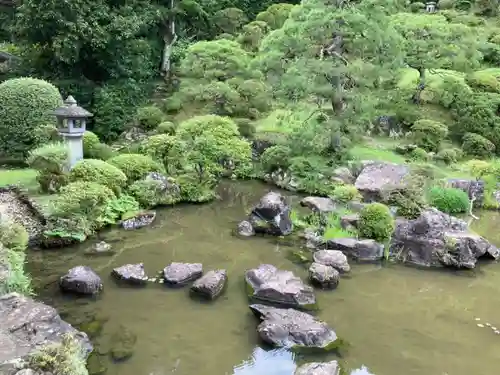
141, 219
81, 280
245, 229
319, 204
436, 239
100, 248
273, 286
293, 329
319, 368
332, 258
324, 276
122, 344
210, 285
361, 250
272, 215
26, 326
179, 274
131, 273
377, 178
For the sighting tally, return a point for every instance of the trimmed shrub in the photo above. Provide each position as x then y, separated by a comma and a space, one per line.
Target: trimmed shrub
449, 200
376, 222
416, 7
50, 161
245, 127
13, 236
448, 155
485, 80
419, 154
25, 105
83, 199
276, 157
480, 168
346, 193
90, 142
166, 127
149, 117
101, 172
157, 146
135, 166
477, 145
429, 134
102, 151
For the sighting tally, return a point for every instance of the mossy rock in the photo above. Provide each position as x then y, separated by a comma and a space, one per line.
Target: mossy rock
96, 364
485, 80
122, 344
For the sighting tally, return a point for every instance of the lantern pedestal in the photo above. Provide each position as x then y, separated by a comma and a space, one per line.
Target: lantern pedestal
75, 148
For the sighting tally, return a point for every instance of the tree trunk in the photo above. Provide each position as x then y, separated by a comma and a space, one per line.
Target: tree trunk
417, 97
169, 39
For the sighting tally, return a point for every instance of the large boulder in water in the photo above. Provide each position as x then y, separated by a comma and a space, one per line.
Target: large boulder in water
139, 220
211, 285
131, 274
272, 215
26, 326
332, 258
270, 285
377, 178
81, 280
179, 274
292, 329
325, 277
319, 368
436, 239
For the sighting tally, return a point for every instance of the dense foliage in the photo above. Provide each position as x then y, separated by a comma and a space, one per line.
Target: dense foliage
449, 200
377, 222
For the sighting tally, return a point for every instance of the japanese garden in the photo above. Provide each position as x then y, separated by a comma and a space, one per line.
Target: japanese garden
249, 187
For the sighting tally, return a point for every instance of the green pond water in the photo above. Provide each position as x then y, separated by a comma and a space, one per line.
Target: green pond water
398, 320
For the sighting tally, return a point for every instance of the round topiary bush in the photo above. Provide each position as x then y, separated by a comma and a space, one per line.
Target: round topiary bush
477, 145
166, 127
346, 193
275, 158
149, 117
25, 106
448, 155
429, 134
449, 200
419, 154
90, 142
135, 166
101, 172
376, 222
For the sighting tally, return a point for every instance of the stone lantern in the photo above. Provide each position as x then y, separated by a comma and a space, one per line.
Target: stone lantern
430, 6
71, 121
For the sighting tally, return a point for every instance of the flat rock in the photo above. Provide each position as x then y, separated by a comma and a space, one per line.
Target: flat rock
81, 280
179, 274
319, 204
319, 368
210, 285
100, 248
290, 328
26, 326
377, 177
324, 276
332, 258
131, 273
270, 285
360, 250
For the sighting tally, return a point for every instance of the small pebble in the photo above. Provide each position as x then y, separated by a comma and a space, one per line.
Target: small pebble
478, 319
161, 281
497, 332
494, 328
480, 325
488, 324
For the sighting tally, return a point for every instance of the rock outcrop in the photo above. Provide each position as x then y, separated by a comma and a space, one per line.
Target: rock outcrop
289, 328
267, 284
319, 368
436, 239
376, 178
473, 188
319, 204
210, 285
26, 326
272, 215
81, 280
180, 274
360, 250
332, 258
140, 220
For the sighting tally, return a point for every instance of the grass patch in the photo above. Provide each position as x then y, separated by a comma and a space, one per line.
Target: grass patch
377, 153
22, 177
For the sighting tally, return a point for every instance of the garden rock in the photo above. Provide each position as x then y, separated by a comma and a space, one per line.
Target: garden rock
343, 175
290, 328
332, 258
272, 215
245, 229
378, 178
122, 344
267, 284
324, 276
179, 274
318, 204
26, 326
141, 219
210, 285
131, 273
169, 191
473, 188
435, 239
360, 250
350, 221
313, 239
319, 368
81, 280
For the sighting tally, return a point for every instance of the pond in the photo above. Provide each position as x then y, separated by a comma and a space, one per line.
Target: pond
397, 320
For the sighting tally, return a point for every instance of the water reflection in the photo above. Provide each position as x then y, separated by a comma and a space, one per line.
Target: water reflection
361, 371
267, 362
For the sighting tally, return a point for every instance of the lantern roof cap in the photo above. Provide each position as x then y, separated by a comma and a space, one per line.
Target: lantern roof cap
71, 109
